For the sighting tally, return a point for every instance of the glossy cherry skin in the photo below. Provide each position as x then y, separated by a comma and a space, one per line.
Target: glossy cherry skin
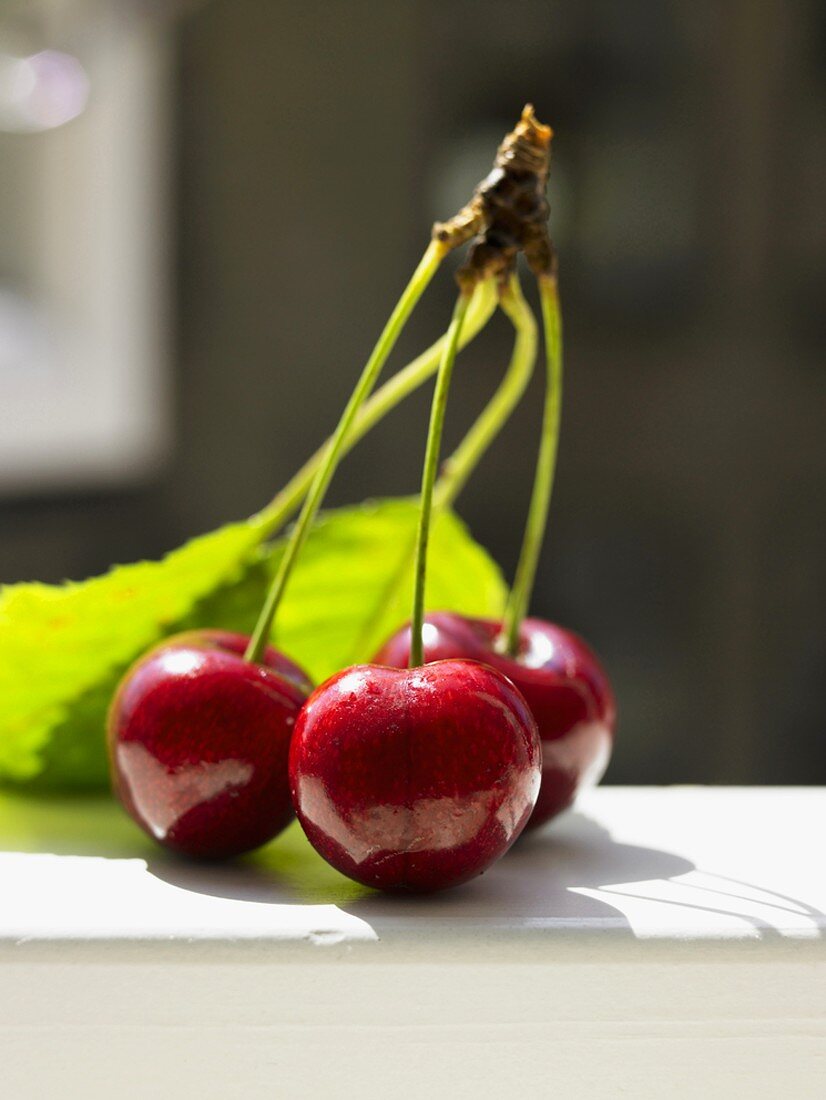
237, 643
562, 681
198, 743
414, 779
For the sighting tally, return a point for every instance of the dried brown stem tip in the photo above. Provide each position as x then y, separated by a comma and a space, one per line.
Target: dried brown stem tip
508, 213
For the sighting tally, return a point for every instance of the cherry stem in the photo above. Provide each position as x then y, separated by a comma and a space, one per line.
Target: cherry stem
425, 271
459, 466
545, 467
431, 466
404, 382
457, 469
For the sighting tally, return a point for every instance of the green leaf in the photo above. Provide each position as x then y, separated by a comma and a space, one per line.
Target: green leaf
64, 648
353, 585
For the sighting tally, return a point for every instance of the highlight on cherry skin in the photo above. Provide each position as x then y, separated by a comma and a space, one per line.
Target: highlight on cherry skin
415, 779
198, 742
562, 681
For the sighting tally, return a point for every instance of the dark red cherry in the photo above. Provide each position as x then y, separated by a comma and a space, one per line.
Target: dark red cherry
414, 779
198, 743
562, 681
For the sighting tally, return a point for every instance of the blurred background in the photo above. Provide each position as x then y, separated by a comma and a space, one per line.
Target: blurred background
208, 209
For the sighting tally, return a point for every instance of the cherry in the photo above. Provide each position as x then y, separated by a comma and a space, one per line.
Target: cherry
414, 779
198, 742
419, 778
563, 684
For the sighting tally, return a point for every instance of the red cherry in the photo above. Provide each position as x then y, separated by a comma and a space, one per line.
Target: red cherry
198, 743
562, 682
414, 779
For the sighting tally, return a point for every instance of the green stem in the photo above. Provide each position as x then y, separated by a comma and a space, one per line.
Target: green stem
545, 466
457, 469
431, 465
482, 305
413, 291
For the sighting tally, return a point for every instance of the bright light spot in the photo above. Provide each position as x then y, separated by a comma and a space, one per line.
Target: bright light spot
352, 682
540, 651
182, 661
42, 91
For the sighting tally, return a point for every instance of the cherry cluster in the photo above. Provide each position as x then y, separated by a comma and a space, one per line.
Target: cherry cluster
419, 770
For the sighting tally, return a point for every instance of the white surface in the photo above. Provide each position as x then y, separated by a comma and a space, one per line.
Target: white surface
656, 942
670, 863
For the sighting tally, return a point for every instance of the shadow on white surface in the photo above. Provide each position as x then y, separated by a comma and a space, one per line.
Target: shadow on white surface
573, 876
